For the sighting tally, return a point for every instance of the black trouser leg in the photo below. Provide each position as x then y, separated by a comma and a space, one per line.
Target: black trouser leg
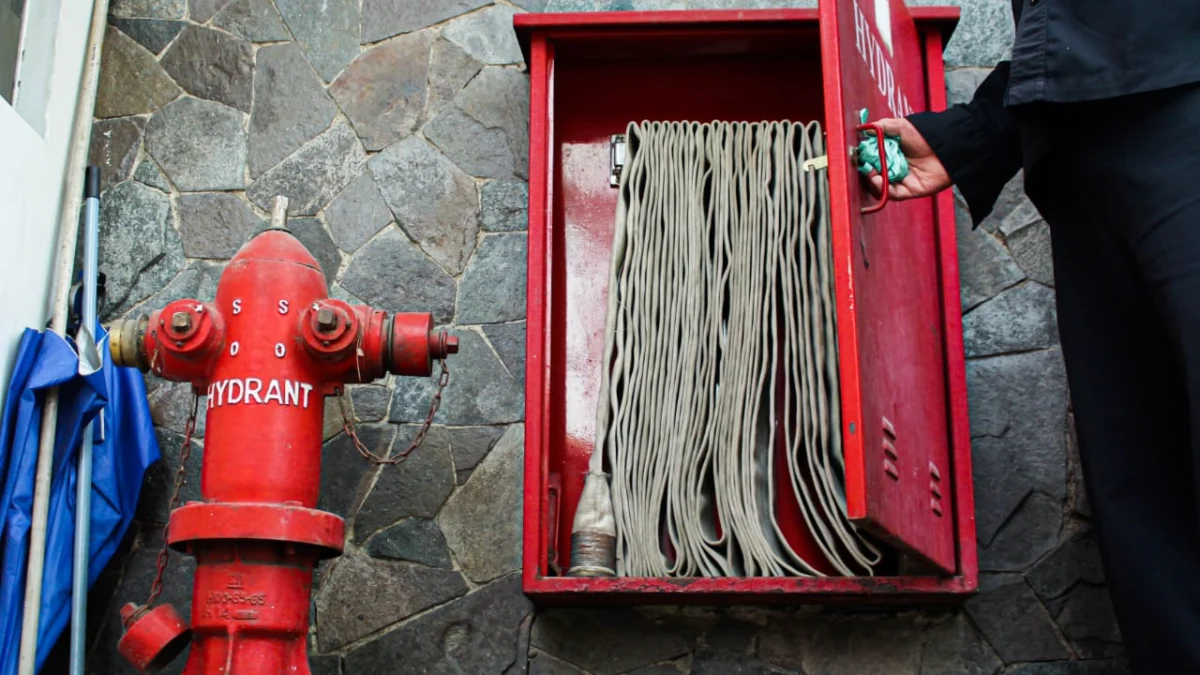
1122, 197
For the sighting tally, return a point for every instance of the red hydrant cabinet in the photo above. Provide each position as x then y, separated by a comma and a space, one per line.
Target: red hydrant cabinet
266, 352
903, 391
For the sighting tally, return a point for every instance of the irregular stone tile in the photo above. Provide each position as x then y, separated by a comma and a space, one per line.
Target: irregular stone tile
1013, 211
850, 645
544, 664
642, 641
505, 206
171, 406
147, 9
382, 19
212, 65
987, 30
1107, 667
414, 488
573, 5
492, 289
198, 280
312, 234
480, 390
508, 339
361, 595
325, 664
1015, 624
253, 20
433, 201
345, 475
153, 34
468, 447
370, 401
131, 81
520, 664
1031, 249
291, 106
333, 422
114, 146
390, 272
707, 662
216, 224
1089, 623
158, 483
531, 5
1021, 318
203, 10
732, 635
383, 91
357, 214
953, 647
985, 266
414, 540
961, 84
1031, 532
327, 31
486, 132
1018, 406
336, 291
199, 144
134, 221
450, 69
148, 173
482, 521
487, 35
478, 633
1077, 560
312, 176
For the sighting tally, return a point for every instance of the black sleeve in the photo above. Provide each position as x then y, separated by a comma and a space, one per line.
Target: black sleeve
979, 143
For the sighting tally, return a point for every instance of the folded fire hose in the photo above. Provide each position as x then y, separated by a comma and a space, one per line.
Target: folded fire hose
721, 347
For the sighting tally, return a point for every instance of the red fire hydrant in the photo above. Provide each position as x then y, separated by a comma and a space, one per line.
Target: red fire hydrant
266, 352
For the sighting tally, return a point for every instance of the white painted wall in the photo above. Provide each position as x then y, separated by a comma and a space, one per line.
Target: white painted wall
35, 135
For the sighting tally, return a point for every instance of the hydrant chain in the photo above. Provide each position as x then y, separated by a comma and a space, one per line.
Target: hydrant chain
348, 424
185, 452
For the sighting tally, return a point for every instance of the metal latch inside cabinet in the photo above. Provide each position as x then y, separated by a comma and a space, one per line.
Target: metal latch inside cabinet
616, 158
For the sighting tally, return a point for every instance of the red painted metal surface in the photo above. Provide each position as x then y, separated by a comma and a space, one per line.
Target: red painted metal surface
889, 302
591, 73
267, 352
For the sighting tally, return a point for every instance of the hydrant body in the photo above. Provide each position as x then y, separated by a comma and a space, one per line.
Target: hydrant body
266, 352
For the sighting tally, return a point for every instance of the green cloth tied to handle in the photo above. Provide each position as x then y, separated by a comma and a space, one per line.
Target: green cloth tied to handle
868, 155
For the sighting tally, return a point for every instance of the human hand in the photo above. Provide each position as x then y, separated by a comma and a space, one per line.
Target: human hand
926, 175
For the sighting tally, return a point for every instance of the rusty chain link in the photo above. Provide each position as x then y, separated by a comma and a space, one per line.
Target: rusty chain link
348, 424
164, 555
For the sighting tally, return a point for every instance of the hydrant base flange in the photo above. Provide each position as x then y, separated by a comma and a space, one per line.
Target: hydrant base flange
200, 521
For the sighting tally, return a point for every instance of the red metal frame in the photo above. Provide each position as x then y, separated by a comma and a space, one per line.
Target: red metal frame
547, 517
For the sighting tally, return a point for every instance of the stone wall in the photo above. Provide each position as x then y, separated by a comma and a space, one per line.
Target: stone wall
398, 130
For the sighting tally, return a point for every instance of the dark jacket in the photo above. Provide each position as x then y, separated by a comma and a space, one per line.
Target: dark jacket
1065, 52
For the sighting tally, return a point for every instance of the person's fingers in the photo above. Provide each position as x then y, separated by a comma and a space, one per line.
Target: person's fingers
875, 183
894, 127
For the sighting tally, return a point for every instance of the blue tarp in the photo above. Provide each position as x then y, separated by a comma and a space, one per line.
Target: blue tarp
124, 446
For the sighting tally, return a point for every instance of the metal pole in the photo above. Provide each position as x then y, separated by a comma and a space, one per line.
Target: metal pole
68, 233
83, 483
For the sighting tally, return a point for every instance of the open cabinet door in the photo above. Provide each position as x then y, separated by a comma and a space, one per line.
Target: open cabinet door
894, 414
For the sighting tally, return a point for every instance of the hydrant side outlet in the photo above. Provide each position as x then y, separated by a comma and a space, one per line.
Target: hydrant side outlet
266, 352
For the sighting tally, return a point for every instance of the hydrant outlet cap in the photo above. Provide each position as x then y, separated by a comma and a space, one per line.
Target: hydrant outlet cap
154, 639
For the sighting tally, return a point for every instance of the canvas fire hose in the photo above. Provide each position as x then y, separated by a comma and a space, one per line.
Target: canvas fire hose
721, 353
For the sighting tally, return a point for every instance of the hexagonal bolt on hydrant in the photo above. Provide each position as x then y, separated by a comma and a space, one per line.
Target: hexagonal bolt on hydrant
266, 352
